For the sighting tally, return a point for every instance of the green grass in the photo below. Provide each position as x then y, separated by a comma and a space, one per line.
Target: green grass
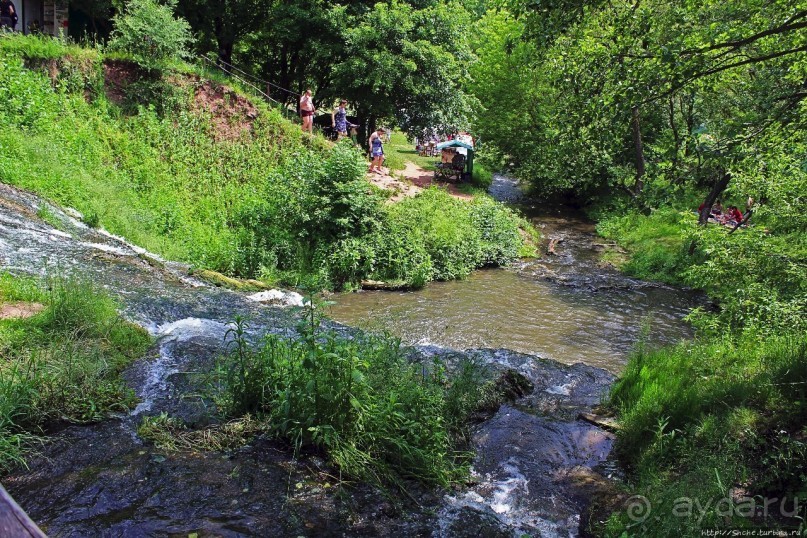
707, 416
375, 414
44, 47
399, 151
62, 364
657, 243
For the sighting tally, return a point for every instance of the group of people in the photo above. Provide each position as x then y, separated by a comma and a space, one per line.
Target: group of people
339, 120
425, 144
8, 15
341, 125
728, 217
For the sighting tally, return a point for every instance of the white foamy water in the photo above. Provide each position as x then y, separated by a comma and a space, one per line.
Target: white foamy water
499, 497
168, 363
278, 298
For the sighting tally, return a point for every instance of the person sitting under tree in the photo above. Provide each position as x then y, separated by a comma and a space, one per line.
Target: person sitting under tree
307, 111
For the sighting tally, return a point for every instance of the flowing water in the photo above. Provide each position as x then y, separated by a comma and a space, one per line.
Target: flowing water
536, 464
568, 306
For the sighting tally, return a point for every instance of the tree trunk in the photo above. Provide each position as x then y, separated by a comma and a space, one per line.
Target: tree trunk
703, 218
639, 150
719, 186
225, 44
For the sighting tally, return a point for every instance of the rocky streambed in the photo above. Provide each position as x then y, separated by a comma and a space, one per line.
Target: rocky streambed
535, 470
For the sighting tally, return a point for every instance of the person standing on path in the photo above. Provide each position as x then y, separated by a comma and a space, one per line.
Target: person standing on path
376, 149
339, 120
307, 111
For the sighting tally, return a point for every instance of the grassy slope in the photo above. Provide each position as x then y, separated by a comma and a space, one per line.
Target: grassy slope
162, 182
266, 204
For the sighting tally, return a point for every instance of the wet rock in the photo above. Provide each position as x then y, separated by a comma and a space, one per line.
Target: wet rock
467, 522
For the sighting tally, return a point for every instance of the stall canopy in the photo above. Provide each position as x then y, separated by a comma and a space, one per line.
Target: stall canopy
459, 144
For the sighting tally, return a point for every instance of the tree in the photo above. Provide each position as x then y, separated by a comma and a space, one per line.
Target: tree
221, 24
407, 65
631, 93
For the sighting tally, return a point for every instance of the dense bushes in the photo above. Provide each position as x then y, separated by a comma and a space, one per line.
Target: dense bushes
432, 236
376, 415
63, 363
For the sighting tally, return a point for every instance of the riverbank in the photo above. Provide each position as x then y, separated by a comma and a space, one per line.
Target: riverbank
103, 477
719, 421
201, 172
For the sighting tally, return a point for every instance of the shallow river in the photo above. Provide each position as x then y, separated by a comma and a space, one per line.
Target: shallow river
563, 322
569, 307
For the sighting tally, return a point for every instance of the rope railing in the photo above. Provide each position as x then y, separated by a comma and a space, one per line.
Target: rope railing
248, 83
258, 79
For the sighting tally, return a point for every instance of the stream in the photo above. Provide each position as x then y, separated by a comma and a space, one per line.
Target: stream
570, 307
565, 322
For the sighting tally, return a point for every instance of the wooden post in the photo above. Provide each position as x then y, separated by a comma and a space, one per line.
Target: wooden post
14, 522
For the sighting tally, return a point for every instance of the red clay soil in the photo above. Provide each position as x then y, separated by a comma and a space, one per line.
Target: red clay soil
117, 77
232, 115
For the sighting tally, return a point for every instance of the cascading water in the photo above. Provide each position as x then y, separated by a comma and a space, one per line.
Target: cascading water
101, 480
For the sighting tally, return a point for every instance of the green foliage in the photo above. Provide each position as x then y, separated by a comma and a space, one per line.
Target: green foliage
149, 34
63, 363
761, 280
482, 177
657, 243
434, 236
377, 415
730, 408
405, 62
703, 82
43, 47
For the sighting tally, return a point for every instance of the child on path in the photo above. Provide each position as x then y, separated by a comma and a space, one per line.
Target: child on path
376, 149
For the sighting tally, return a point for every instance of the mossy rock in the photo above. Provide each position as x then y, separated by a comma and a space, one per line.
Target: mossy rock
224, 281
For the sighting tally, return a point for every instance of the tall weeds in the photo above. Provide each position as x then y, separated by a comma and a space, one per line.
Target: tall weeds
375, 414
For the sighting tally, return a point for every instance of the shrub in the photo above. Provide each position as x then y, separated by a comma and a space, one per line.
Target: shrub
148, 32
377, 416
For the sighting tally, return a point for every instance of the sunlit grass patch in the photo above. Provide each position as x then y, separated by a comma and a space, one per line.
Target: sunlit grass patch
62, 364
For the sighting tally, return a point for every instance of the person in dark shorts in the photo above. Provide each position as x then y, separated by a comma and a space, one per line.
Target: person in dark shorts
307, 111
8, 14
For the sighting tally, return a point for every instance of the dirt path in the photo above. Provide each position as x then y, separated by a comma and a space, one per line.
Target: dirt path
410, 181
19, 309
